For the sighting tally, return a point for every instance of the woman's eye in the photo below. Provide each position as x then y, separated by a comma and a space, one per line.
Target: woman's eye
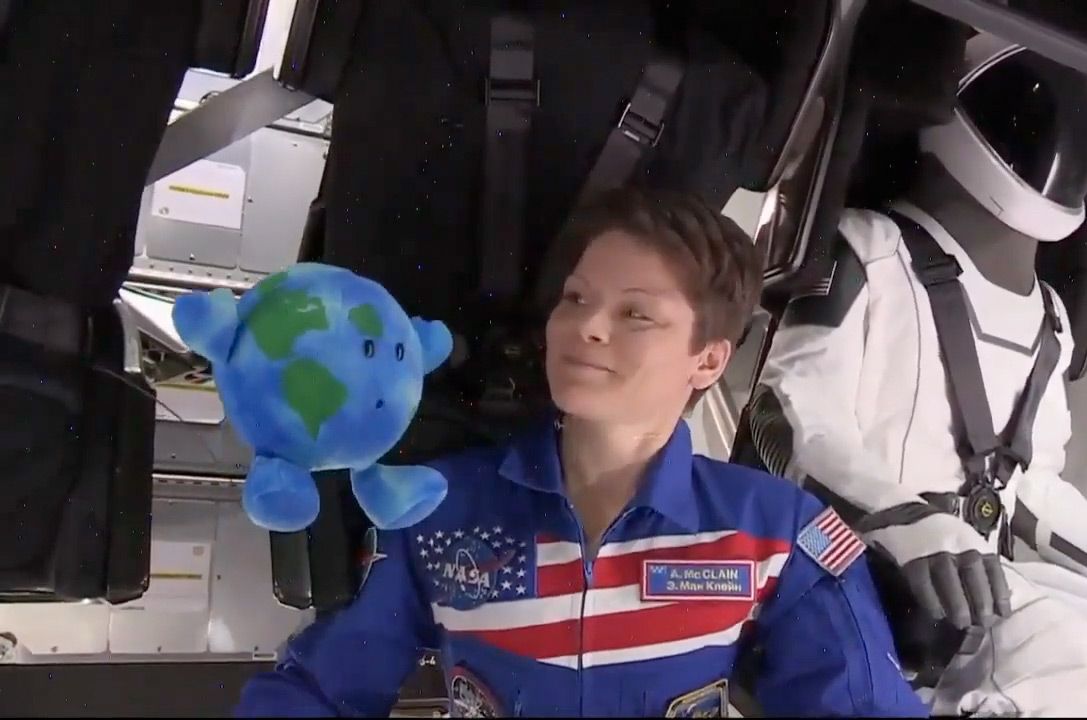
635, 314
369, 348
572, 297
400, 351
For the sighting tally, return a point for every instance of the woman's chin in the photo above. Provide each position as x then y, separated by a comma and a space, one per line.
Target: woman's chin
581, 402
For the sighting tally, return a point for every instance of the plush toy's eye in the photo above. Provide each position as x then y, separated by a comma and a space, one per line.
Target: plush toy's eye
368, 348
400, 351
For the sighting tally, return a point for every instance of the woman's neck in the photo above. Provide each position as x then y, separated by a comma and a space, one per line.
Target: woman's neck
596, 454
603, 465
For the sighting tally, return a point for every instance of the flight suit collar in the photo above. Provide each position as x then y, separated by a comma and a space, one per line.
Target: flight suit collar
929, 223
532, 461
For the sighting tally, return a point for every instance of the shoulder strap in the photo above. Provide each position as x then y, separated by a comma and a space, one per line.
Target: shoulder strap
512, 94
222, 120
939, 272
640, 126
1021, 425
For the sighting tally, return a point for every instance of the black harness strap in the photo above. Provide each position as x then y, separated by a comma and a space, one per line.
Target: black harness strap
986, 457
639, 128
512, 94
1022, 420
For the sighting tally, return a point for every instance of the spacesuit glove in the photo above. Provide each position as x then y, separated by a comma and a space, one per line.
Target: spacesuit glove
949, 567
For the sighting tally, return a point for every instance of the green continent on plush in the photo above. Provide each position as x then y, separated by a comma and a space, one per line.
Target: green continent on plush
312, 392
281, 316
367, 320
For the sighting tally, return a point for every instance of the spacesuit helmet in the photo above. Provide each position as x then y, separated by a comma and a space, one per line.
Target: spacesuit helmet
1017, 141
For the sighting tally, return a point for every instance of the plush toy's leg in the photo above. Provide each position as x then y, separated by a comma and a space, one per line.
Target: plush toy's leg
395, 496
279, 495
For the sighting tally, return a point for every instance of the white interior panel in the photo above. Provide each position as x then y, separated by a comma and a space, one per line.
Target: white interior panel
245, 615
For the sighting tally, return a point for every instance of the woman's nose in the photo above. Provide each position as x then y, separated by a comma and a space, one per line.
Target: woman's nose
594, 328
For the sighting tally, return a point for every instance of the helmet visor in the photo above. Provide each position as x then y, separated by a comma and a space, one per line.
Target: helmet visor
1032, 112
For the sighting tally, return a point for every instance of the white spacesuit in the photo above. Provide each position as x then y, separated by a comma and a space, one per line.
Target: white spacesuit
882, 396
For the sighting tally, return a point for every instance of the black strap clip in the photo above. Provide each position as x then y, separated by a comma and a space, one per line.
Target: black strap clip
511, 90
937, 271
993, 467
639, 128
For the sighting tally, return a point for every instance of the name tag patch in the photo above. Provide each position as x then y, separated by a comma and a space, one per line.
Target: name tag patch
698, 580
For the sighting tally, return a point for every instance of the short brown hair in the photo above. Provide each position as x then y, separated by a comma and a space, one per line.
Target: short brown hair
720, 268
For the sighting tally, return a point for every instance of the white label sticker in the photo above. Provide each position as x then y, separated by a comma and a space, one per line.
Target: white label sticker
206, 193
179, 578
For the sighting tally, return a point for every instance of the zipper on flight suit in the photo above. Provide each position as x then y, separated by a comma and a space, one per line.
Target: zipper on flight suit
587, 574
587, 579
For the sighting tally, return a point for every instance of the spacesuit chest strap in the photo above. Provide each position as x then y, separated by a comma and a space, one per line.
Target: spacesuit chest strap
1019, 433
939, 273
986, 456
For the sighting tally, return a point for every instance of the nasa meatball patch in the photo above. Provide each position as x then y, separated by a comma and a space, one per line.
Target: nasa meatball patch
469, 567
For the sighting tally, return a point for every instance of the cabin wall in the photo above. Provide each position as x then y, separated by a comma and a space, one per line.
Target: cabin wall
1075, 465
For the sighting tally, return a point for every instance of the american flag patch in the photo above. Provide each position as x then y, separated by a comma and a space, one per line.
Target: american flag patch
829, 542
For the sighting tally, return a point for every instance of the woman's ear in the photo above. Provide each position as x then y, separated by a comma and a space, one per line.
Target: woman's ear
712, 362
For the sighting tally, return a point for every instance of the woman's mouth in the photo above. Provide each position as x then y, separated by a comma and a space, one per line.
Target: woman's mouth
587, 364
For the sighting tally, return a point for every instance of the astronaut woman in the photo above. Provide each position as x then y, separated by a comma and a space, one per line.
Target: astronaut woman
594, 566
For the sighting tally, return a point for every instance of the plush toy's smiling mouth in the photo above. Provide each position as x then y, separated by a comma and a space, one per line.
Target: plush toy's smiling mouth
380, 404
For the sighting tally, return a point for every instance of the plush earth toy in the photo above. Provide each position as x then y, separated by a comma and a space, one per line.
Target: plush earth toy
319, 369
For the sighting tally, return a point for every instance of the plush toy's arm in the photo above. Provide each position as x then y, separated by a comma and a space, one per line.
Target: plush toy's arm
1051, 514
436, 340
207, 322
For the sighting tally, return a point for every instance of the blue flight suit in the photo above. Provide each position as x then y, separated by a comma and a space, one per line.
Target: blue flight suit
708, 559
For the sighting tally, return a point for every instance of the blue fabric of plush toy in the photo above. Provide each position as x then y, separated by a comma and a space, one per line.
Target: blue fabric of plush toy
319, 369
